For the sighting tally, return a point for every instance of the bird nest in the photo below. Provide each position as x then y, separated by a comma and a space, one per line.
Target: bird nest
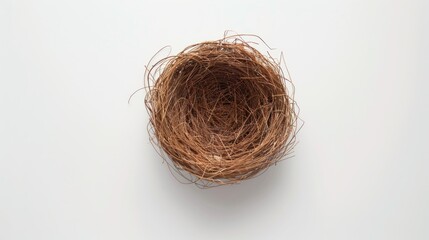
221, 111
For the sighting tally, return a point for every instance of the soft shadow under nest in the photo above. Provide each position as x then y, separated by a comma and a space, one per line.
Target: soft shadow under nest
221, 111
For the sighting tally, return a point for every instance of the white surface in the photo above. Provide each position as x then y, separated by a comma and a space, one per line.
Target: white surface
76, 163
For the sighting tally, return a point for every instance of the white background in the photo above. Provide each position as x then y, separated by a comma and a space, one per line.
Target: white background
75, 158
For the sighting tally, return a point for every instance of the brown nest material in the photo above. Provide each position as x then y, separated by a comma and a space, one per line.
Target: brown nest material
221, 111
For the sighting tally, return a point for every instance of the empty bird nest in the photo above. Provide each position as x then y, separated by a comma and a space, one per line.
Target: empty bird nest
221, 111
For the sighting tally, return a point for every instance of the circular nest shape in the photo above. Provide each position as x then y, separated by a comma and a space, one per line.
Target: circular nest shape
221, 111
